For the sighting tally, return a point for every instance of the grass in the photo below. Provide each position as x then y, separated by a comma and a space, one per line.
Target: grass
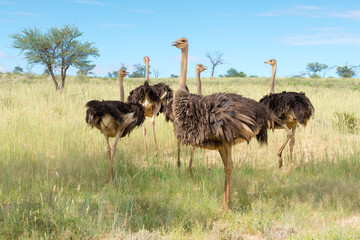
53, 169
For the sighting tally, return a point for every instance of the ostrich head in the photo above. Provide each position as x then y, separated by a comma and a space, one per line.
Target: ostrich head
123, 73
272, 62
181, 43
200, 68
146, 59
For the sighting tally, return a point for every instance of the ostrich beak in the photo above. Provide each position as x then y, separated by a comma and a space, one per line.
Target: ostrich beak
266, 62
175, 43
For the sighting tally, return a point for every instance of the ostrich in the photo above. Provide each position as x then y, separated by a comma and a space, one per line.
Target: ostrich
217, 121
121, 74
170, 116
286, 109
114, 119
152, 98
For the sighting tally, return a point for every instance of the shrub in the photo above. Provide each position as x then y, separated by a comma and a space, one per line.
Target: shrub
346, 122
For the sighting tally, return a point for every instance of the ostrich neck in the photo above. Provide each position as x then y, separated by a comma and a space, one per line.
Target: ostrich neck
198, 81
272, 85
147, 72
183, 68
121, 88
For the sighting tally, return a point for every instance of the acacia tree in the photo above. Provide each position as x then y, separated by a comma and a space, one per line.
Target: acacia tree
139, 71
232, 72
86, 70
156, 73
18, 70
216, 58
56, 49
315, 68
346, 71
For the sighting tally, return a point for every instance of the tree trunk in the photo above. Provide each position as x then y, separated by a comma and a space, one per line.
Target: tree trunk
63, 76
212, 71
54, 79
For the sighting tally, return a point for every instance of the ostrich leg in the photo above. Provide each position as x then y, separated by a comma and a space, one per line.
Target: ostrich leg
225, 154
178, 155
152, 121
144, 134
288, 136
292, 141
191, 158
108, 146
112, 155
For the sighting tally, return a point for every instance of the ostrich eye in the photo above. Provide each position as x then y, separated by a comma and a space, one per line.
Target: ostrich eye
183, 40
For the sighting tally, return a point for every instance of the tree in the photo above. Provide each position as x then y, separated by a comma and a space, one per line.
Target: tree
86, 70
115, 74
232, 72
56, 49
139, 71
123, 67
315, 68
216, 58
156, 73
18, 70
346, 71
174, 76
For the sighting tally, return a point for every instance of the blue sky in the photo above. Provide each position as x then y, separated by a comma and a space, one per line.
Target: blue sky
246, 32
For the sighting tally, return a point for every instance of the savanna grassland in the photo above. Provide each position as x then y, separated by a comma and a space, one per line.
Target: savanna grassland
53, 169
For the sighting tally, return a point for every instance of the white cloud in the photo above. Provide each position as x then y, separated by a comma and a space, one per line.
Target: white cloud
91, 2
313, 11
352, 14
99, 3
30, 14
7, 3
9, 21
323, 38
310, 11
326, 29
2, 69
4, 56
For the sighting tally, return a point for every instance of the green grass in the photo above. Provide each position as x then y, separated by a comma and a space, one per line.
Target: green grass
53, 170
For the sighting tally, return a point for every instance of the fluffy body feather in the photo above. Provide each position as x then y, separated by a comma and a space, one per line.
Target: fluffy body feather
151, 96
288, 108
221, 118
110, 116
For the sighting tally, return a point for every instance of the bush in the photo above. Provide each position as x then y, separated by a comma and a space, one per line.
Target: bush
346, 122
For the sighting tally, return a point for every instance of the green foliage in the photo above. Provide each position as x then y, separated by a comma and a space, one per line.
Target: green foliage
139, 71
314, 76
112, 74
174, 76
345, 71
232, 72
346, 122
58, 48
18, 70
315, 68
86, 70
